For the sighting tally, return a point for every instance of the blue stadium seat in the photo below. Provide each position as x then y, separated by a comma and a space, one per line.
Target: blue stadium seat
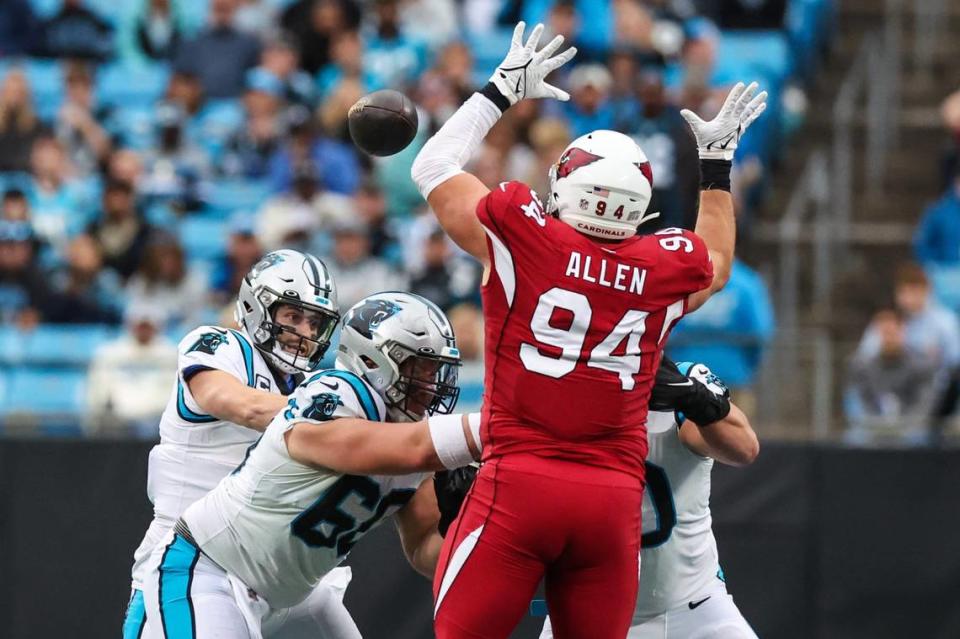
46, 391
742, 53
135, 125
62, 344
203, 237
224, 197
124, 85
488, 50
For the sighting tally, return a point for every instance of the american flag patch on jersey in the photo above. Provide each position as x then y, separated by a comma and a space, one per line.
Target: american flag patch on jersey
601, 192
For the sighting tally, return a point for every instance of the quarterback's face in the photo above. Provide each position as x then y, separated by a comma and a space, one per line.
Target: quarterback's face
298, 323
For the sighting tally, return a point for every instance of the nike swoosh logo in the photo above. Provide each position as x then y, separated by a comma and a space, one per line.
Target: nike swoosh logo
333, 386
517, 88
689, 382
694, 604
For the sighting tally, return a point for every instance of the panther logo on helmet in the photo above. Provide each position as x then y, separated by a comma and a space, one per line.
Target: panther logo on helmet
270, 259
368, 317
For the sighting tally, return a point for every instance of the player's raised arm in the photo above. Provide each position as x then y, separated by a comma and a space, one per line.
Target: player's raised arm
716, 141
438, 169
361, 447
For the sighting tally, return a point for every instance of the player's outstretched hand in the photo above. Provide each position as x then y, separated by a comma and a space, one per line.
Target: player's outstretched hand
718, 138
451, 488
521, 74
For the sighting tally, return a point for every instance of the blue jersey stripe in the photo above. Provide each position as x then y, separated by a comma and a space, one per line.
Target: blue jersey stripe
136, 617
188, 415
359, 388
176, 576
247, 356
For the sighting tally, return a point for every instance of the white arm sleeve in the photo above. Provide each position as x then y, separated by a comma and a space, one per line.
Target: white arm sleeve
445, 154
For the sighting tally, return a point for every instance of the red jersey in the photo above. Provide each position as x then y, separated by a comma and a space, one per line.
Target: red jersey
574, 332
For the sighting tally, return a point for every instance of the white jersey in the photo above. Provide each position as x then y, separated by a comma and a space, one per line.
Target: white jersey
678, 558
279, 525
197, 450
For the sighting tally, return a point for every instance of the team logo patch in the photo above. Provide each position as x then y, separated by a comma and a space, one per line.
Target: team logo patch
573, 159
270, 259
323, 406
208, 343
368, 317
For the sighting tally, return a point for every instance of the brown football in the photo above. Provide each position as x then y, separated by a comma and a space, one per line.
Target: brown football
383, 123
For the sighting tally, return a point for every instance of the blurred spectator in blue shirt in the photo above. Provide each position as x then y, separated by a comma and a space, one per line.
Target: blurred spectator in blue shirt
445, 280
76, 32
278, 64
593, 22
79, 123
24, 290
220, 55
162, 278
60, 204
85, 292
347, 63
14, 206
937, 239
243, 251
665, 138
337, 161
371, 206
393, 57
19, 124
157, 30
351, 265
623, 88
177, 165
314, 23
120, 231
18, 26
730, 331
248, 151
589, 107
929, 329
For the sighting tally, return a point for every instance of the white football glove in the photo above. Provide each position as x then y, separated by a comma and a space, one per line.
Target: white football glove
521, 74
718, 138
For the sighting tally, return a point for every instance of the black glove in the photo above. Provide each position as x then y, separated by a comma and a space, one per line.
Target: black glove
701, 397
451, 487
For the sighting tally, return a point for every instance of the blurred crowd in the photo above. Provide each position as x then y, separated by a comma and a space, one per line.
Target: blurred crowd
152, 150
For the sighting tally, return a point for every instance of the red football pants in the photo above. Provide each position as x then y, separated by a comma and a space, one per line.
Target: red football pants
579, 530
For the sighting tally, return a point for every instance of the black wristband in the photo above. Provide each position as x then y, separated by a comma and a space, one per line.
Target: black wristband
704, 407
715, 175
492, 93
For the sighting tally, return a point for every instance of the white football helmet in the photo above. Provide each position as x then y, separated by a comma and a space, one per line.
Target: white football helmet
296, 279
403, 345
601, 186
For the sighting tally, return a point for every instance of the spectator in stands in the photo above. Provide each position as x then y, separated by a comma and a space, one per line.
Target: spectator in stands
279, 61
337, 161
176, 166
665, 138
937, 239
79, 123
120, 231
582, 23
24, 291
745, 14
157, 30
14, 207
347, 64
185, 90
256, 17
892, 387
394, 57
455, 65
220, 55
950, 111
76, 32
163, 279
18, 27
243, 251
249, 150
371, 206
548, 139
304, 208
731, 331
433, 22
929, 329
444, 280
623, 88
125, 165
589, 107
129, 378
83, 291
60, 206
19, 125
357, 272
314, 24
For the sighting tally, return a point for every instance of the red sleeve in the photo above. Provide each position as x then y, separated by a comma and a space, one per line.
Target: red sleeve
684, 263
510, 211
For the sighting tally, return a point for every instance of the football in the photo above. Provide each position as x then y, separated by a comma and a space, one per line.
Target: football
383, 123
